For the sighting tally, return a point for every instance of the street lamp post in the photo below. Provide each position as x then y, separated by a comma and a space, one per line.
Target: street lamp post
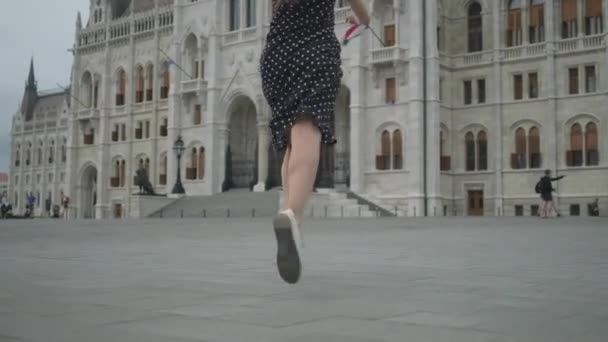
178, 147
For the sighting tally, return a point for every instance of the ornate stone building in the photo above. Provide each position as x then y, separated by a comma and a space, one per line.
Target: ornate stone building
459, 114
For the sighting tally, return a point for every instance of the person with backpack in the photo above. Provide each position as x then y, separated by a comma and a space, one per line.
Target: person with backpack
545, 189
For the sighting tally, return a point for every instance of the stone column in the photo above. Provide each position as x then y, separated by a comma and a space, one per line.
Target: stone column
525, 21
497, 132
580, 18
358, 94
174, 116
263, 145
216, 116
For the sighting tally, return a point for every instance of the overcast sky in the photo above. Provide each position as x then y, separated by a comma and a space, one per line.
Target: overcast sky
44, 29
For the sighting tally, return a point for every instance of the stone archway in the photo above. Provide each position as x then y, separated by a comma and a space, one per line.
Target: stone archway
241, 150
88, 192
334, 165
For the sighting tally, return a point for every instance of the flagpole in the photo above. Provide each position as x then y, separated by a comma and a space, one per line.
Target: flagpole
171, 61
72, 96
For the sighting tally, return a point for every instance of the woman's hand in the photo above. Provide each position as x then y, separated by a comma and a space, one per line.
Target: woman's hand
352, 19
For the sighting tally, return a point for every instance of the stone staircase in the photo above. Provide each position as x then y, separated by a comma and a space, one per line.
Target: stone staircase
324, 203
330, 203
235, 203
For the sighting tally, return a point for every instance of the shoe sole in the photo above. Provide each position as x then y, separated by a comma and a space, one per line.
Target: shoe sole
288, 258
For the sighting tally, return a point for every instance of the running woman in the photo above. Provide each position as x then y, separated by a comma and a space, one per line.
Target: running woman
300, 69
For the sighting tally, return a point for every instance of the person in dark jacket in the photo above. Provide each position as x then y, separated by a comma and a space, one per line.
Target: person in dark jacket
545, 188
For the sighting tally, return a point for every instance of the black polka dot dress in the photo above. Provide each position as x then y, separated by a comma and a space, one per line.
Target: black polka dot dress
300, 68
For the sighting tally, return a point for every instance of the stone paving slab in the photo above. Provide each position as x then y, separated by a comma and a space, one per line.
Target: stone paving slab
365, 280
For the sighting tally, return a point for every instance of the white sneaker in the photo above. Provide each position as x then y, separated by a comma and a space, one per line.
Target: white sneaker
289, 244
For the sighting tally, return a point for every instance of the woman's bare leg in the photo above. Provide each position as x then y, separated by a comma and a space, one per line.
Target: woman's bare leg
303, 164
285, 179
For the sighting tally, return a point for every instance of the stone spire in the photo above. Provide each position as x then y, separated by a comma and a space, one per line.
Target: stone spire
30, 96
78, 22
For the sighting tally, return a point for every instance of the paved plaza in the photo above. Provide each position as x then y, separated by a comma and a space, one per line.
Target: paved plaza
366, 280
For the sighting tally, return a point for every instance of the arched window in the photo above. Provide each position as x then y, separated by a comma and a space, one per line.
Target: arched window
192, 169
139, 85
96, 94
165, 81
64, 154
52, 152
537, 21
121, 87
28, 154
591, 145
250, 19
445, 160
118, 179
191, 55
18, 156
518, 159
534, 148
469, 146
397, 150
574, 157
593, 17
475, 23
569, 19
514, 35
383, 160
39, 154
162, 178
86, 89
201, 163
150, 82
234, 15
482, 151
123, 174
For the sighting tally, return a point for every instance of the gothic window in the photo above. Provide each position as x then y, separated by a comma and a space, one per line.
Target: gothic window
397, 150
569, 19
514, 35
64, 154
534, 148
390, 156
165, 81
139, 85
197, 115
445, 160
192, 169
537, 21
251, 13
482, 151
475, 35
574, 157
593, 17
469, 143
52, 152
201, 163
591, 145
391, 92
518, 159
162, 178
86, 90
383, 161
150, 82
18, 156
573, 81
121, 87
476, 151
234, 14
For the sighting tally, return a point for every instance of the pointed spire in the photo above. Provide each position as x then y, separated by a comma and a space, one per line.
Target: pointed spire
30, 95
31, 78
78, 21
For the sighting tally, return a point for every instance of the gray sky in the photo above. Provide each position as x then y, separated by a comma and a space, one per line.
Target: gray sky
44, 29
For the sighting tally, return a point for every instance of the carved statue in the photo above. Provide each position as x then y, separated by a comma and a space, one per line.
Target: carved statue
142, 181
